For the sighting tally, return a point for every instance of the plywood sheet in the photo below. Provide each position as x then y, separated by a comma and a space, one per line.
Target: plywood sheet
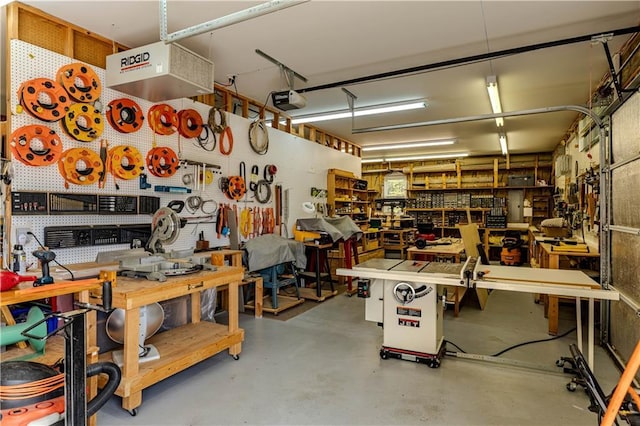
470, 238
552, 276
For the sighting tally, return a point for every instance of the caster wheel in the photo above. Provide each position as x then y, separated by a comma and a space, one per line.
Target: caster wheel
133, 412
349, 294
560, 363
384, 354
571, 387
236, 357
434, 363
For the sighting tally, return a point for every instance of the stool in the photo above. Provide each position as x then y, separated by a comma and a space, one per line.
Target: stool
319, 252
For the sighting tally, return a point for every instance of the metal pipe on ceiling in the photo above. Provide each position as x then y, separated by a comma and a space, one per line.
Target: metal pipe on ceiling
578, 108
471, 59
225, 21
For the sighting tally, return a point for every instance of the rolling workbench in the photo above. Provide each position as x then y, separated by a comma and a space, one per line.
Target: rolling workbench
180, 347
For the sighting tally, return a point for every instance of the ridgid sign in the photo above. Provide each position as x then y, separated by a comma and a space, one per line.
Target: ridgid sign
134, 61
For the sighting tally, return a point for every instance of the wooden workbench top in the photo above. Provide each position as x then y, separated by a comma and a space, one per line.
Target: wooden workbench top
26, 292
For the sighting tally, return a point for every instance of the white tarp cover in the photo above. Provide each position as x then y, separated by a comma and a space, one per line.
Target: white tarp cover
341, 227
271, 250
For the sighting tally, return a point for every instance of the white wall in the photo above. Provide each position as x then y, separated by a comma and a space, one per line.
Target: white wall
301, 164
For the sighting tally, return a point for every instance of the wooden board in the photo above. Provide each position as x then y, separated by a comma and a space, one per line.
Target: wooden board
445, 249
284, 302
470, 238
551, 276
311, 294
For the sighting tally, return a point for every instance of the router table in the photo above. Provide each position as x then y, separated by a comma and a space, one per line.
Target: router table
406, 297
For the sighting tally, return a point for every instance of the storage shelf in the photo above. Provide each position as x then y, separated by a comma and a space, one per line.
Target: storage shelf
341, 194
449, 209
478, 188
203, 339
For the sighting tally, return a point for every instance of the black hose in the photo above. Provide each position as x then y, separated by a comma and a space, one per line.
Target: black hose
114, 373
456, 346
534, 341
518, 345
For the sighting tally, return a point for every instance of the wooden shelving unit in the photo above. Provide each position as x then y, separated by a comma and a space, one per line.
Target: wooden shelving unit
347, 195
487, 178
396, 242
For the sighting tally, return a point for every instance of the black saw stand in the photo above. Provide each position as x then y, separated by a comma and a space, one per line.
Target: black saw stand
77, 411
578, 366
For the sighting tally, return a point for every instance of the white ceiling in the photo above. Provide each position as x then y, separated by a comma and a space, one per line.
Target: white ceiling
332, 41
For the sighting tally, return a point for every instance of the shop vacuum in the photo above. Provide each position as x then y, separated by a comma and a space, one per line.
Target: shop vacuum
511, 253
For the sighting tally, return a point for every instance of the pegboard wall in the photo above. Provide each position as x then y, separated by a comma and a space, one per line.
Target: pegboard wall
301, 165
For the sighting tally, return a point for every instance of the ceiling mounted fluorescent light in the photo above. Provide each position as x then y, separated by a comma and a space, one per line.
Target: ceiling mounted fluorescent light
494, 98
428, 157
358, 112
415, 158
503, 144
408, 145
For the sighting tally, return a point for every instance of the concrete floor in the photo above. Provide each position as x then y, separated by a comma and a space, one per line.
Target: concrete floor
323, 368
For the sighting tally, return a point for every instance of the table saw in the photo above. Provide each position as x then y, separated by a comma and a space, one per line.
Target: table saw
407, 298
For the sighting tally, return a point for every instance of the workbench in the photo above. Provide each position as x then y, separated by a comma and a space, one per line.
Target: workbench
180, 347
450, 252
549, 258
473, 274
442, 251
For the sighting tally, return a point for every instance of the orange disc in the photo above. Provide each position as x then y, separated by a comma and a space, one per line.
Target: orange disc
44, 99
236, 188
163, 119
83, 122
80, 81
125, 115
81, 166
162, 161
125, 162
36, 145
189, 123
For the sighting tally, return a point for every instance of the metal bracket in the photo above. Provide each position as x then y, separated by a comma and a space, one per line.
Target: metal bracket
288, 72
225, 21
351, 102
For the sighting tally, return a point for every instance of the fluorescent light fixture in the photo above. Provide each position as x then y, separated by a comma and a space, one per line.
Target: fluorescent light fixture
408, 145
415, 158
503, 144
494, 98
358, 112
